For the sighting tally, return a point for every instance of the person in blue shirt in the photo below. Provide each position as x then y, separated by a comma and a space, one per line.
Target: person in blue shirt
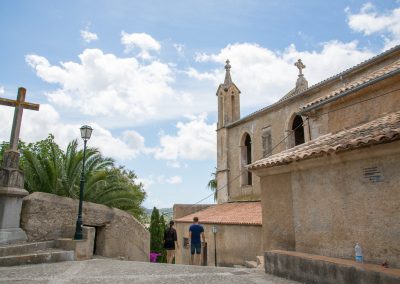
195, 232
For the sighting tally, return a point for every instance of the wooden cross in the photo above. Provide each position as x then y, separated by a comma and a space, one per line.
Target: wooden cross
19, 105
300, 65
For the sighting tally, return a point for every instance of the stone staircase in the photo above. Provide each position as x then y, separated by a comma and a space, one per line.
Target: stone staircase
33, 253
64, 248
259, 263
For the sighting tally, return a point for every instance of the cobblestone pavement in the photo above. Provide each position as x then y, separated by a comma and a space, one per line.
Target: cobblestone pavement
118, 271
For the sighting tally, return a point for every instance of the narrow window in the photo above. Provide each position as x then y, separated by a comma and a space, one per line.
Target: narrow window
232, 107
266, 141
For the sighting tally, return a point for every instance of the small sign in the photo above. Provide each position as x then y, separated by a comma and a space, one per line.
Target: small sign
373, 174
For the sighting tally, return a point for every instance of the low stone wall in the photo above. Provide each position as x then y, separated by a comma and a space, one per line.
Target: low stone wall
118, 234
316, 269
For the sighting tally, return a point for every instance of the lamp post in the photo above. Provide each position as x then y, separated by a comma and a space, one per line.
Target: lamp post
214, 230
86, 132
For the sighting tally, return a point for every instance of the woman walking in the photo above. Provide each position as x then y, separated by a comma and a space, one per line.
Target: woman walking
170, 242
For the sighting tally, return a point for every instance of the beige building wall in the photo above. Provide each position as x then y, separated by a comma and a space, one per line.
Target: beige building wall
361, 107
326, 205
234, 243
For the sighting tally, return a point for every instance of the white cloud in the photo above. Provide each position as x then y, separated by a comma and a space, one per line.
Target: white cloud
118, 91
143, 41
2, 91
180, 48
176, 164
146, 182
133, 139
369, 21
36, 125
160, 179
264, 76
88, 36
174, 180
195, 140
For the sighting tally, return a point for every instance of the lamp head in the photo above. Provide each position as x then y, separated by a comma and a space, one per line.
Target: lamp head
86, 132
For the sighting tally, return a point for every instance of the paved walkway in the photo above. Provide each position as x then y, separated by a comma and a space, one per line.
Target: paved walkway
117, 271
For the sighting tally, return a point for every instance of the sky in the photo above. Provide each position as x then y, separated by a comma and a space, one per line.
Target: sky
144, 74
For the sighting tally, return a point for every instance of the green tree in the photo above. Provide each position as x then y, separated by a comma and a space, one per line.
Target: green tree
212, 184
157, 228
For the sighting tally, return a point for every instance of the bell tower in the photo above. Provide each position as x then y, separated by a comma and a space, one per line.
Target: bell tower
228, 99
228, 112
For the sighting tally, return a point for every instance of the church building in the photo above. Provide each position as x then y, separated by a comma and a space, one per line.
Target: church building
315, 172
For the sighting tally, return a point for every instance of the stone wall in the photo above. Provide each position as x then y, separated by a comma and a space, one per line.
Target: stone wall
118, 234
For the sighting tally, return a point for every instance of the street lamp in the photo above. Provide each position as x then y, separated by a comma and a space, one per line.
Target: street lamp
86, 132
214, 230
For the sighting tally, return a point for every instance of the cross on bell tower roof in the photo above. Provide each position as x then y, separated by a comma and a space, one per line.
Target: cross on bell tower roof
300, 66
228, 79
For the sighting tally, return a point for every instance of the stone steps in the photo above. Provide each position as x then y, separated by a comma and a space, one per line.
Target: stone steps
43, 256
25, 248
32, 253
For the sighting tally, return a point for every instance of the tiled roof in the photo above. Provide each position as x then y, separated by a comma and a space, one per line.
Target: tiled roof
382, 130
235, 213
395, 66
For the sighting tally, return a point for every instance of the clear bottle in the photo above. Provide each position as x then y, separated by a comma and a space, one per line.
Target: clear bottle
358, 253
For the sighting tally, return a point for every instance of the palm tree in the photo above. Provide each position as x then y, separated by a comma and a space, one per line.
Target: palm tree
48, 169
212, 184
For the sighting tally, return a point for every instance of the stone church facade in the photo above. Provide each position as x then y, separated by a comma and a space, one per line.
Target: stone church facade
321, 163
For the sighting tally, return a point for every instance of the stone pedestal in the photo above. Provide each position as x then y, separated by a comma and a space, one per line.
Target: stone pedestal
11, 194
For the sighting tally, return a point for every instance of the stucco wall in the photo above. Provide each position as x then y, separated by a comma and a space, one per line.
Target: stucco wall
235, 244
118, 234
360, 107
334, 205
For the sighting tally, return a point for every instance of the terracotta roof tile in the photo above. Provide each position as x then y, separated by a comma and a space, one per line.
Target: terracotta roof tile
382, 130
374, 75
235, 213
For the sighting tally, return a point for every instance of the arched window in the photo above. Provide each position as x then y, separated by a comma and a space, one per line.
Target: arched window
298, 129
246, 159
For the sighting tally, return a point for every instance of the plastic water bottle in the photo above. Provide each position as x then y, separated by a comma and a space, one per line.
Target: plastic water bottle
358, 251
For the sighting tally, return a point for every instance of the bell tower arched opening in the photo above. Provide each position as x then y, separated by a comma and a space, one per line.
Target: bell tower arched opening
246, 157
298, 130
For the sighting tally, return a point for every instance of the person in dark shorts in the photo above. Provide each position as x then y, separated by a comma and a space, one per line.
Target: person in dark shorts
170, 242
195, 232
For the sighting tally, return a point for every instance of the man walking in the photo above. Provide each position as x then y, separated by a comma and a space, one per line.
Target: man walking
195, 231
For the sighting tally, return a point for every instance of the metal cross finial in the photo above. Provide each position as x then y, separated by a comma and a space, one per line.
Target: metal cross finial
19, 105
300, 66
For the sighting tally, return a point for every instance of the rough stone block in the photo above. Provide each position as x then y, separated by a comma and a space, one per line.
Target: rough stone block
48, 217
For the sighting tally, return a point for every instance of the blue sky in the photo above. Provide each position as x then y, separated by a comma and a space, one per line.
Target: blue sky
143, 74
